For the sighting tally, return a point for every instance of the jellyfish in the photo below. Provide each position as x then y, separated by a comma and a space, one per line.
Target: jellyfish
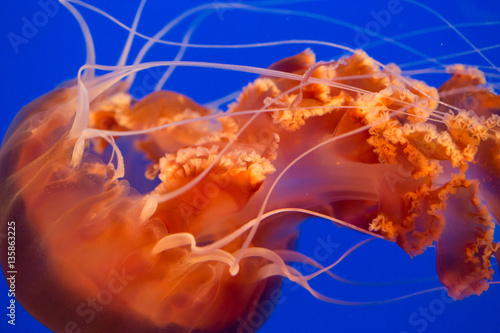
160, 213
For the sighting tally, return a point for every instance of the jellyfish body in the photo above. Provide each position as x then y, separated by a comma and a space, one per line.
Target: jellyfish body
87, 237
349, 140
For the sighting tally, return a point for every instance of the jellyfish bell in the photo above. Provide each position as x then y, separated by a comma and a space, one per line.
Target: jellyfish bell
350, 140
65, 210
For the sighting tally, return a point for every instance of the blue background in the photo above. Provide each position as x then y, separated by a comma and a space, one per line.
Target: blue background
57, 50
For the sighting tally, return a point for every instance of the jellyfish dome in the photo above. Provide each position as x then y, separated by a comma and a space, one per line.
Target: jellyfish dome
160, 213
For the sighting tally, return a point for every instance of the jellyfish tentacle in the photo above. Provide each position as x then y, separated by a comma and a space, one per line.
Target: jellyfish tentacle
352, 141
89, 43
456, 30
126, 49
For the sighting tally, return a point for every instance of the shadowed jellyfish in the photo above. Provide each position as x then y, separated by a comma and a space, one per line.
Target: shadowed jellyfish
163, 214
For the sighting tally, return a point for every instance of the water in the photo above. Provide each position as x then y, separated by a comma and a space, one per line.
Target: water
35, 61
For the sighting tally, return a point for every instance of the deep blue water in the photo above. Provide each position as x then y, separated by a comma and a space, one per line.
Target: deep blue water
33, 62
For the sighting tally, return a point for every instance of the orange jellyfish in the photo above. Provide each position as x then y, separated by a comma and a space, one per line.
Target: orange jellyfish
160, 214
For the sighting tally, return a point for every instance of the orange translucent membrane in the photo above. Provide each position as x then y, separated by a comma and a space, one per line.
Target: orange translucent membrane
349, 140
